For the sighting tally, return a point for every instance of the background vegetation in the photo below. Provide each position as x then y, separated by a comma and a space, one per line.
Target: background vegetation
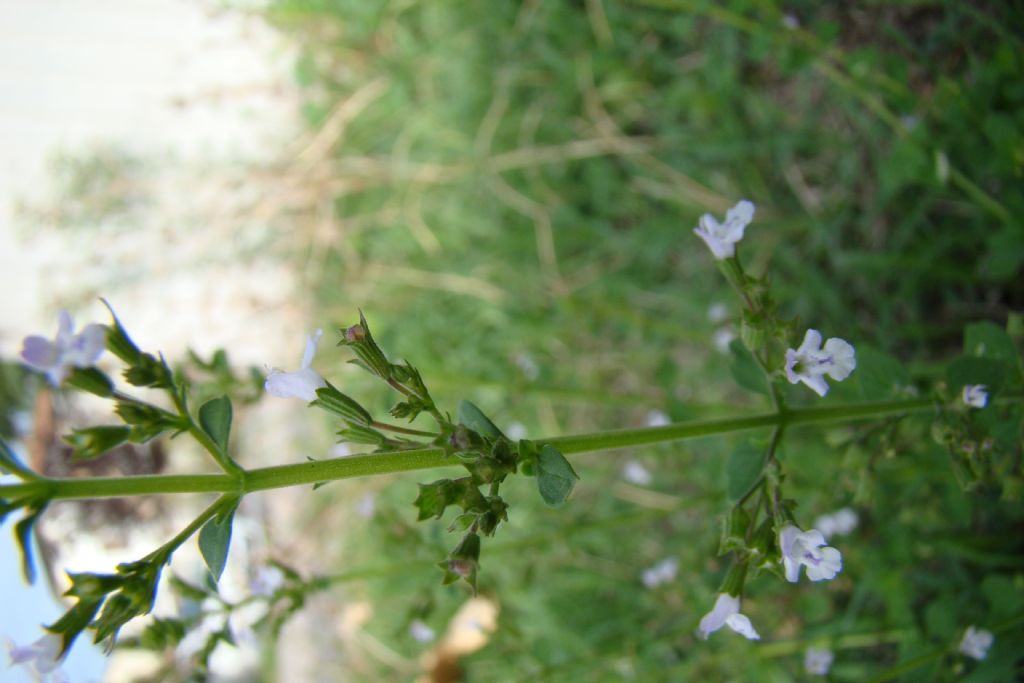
508, 191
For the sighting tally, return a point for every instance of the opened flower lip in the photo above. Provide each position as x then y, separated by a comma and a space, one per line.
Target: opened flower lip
301, 383
808, 549
811, 362
721, 238
42, 657
56, 357
976, 642
975, 395
726, 612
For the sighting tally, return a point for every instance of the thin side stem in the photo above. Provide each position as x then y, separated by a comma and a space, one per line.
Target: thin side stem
426, 458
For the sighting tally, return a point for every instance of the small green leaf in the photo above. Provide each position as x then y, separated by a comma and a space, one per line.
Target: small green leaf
215, 419
215, 539
745, 370
10, 464
118, 341
434, 498
93, 442
555, 476
474, 418
91, 380
880, 375
23, 531
744, 468
333, 401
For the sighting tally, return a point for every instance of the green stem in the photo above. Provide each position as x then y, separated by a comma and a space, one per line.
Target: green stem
402, 430
426, 458
164, 552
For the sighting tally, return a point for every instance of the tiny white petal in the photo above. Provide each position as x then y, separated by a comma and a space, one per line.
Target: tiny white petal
516, 431
717, 312
656, 418
635, 473
741, 624
302, 383
722, 338
310, 350
818, 662
420, 632
975, 395
843, 358
976, 642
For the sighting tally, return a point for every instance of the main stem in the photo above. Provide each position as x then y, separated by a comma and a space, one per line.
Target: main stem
426, 458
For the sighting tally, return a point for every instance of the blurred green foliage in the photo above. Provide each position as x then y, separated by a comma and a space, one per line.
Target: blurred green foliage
511, 199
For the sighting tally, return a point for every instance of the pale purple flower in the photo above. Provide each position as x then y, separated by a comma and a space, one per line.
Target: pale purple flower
721, 238
975, 395
790, 21
817, 662
839, 523
637, 474
420, 632
976, 642
808, 549
41, 658
302, 383
366, 506
661, 573
810, 363
726, 612
67, 350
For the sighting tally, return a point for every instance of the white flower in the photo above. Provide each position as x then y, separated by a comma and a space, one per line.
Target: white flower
726, 612
976, 642
722, 338
420, 632
266, 581
810, 363
839, 523
366, 506
528, 366
790, 21
663, 572
818, 662
656, 418
66, 350
516, 431
302, 383
635, 473
721, 238
975, 395
41, 658
717, 312
808, 549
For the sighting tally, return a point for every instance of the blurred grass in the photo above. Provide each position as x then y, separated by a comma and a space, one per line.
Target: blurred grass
508, 191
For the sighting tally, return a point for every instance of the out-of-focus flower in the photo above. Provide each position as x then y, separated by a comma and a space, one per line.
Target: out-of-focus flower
66, 350
717, 312
366, 506
726, 612
528, 366
41, 658
516, 431
266, 580
817, 662
721, 238
839, 523
808, 549
635, 473
810, 363
661, 573
656, 418
975, 395
722, 338
420, 632
302, 383
976, 642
